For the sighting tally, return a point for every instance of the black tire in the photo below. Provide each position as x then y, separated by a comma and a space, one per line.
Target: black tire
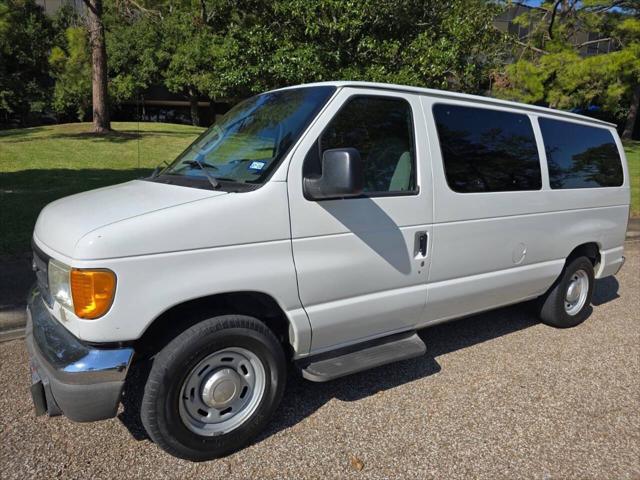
159, 410
551, 306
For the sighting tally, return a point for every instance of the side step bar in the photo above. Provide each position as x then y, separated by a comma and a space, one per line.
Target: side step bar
331, 365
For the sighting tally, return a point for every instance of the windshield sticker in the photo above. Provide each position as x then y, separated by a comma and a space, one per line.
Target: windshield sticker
257, 165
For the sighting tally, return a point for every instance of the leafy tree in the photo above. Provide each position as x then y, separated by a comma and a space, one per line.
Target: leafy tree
79, 64
184, 45
191, 51
419, 42
71, 68
134, 53
232, 49
552, 71
25, 40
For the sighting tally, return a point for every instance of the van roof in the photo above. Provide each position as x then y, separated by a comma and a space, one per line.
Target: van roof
457, 96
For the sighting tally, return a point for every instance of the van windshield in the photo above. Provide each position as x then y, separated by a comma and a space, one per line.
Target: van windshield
249, 141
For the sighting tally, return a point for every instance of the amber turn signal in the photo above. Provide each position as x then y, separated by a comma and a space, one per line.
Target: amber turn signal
92, 292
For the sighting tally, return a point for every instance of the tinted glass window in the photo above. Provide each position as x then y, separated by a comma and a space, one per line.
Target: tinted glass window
382, 131
487, 150
580, 156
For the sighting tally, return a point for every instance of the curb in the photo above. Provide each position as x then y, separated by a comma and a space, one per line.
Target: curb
8, 335
13, 318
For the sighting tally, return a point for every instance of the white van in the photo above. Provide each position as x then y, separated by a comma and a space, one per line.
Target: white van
322, 225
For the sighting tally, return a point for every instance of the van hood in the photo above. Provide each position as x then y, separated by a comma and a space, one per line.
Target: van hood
63, 223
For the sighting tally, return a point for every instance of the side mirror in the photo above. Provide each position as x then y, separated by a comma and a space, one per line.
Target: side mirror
342, 176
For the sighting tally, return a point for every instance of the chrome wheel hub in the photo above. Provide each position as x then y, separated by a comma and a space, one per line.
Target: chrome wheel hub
222, 391
577, 291
221, 388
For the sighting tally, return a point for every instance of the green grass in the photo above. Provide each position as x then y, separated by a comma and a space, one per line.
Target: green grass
41, 164
632, 149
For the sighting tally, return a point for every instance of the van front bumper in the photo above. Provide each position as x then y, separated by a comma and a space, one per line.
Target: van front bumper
82, 382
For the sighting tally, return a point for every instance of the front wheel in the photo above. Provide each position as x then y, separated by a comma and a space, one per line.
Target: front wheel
214, 387
568, 302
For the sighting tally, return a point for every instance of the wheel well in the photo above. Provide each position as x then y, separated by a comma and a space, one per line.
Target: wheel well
589, 250
178, 318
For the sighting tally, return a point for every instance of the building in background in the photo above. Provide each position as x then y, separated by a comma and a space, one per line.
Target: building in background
50, 7
157, 104
594, 43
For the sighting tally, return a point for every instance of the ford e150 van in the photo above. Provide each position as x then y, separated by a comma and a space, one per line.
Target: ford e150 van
322, 225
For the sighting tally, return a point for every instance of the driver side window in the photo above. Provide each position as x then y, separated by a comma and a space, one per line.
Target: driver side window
381, 129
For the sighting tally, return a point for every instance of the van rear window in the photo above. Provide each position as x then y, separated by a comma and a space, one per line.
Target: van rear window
580, 156
487, 150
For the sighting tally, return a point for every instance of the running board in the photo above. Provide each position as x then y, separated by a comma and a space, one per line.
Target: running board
331, 365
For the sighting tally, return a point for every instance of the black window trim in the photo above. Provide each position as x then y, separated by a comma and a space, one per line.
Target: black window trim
406, 193
498, 109
576, 121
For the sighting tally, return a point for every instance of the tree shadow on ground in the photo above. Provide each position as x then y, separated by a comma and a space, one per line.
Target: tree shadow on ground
120, 136
111, 137
20, 132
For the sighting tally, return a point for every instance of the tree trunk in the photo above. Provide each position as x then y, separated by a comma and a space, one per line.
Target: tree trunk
632, 115
101, 120
212, 110
195, 114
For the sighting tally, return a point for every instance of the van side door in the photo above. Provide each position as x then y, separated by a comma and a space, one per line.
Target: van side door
362, 263
494, 232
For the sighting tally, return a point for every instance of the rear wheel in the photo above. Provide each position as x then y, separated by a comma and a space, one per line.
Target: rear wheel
214, 387
568, 302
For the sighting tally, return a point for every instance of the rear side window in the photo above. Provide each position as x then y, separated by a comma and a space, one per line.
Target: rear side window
487, 150
580, 156
381, 128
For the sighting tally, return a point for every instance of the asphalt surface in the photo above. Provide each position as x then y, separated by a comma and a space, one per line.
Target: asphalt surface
497, 396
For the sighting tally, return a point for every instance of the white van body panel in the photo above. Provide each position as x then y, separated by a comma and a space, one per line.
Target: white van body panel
228, 219
342, 271
199, 251
64, 222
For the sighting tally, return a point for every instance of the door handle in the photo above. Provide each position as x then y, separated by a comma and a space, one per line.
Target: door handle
423, 238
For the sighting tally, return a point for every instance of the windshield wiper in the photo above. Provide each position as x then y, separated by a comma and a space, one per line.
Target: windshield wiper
210, 177
194, 163
157, 170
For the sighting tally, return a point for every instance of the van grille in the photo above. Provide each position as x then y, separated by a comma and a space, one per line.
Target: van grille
40, 267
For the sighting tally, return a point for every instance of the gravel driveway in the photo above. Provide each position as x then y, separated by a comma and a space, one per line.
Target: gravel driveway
497, 396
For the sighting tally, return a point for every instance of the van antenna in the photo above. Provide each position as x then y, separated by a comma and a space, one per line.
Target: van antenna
138, 111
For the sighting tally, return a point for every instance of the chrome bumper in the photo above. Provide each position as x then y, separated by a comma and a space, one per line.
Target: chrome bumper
79, 381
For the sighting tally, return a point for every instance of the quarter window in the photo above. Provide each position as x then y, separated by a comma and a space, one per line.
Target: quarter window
381, 129
487, 150
580, 156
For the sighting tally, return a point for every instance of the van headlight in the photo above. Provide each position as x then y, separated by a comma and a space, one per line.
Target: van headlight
59, 284
88, 292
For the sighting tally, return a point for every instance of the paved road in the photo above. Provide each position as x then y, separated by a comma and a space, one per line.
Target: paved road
498, 396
